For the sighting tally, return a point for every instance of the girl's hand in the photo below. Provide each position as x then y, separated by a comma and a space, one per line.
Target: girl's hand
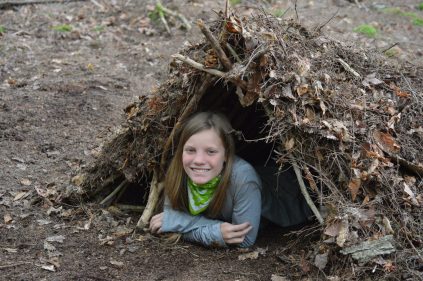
156, 223
234, 233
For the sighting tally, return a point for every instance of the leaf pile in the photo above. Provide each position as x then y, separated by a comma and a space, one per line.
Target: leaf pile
349, 117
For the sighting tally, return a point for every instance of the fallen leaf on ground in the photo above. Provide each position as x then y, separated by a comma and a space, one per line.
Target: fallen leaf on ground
25, 182
43, 222
49, 268
49, 247
7, 218
278, 278
354, 187
343, 233
116, 263
386, 142
333, 229
321, 260
20, 195
252, 256
56, 238
11, 250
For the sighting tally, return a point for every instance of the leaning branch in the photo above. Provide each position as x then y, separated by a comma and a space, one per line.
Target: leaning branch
305, 192
155, 190
109, 199
215, 45
198, 66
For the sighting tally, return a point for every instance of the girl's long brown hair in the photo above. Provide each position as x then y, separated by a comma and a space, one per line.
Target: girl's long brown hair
176, 178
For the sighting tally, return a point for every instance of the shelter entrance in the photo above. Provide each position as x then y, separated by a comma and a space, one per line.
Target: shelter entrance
282, 200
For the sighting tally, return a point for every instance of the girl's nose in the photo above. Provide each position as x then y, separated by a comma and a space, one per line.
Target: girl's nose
199, 158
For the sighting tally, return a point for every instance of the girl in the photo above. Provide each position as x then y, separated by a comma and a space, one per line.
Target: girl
211, 196
215, 198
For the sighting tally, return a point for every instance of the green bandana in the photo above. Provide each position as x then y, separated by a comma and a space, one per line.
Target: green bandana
200, 195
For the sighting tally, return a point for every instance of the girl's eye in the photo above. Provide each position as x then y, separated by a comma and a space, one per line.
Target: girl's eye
189, 150
211, 152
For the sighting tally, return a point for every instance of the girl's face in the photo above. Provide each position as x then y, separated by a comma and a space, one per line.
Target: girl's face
203, 156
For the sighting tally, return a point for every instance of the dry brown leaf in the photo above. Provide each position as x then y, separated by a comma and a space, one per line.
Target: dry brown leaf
302, 89
386, 142
252, 256
116, 263
333, 229
411, 195
398, 92
233, 25
343, 233
321, 260
25, 182
389, 266
211, 60
275, 277
77, 180
20, 195
7, 218
387, 225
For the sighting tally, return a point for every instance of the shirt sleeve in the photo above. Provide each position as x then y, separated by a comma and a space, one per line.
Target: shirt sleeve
247, 208
197, 228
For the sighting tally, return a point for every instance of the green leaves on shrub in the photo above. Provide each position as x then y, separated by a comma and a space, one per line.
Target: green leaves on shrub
420, 6
62, 28
366, 29
2, 29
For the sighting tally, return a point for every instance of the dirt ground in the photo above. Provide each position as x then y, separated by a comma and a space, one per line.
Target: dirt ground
61, 93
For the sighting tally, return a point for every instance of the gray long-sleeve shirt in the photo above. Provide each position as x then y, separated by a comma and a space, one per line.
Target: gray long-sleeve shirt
242, 204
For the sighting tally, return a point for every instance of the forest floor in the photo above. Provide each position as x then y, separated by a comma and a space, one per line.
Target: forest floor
67, 71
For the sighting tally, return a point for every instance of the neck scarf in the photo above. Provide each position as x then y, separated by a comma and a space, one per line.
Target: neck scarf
200, 195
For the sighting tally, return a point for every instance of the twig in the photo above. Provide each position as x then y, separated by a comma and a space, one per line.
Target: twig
226, 8
331, 18
10, 4
108, 200
133, 208
305, 192
390, 47
295, 8
198, 66
178, 15
153, 197
412, 246
233, 53
418, 170
98, 4
14, 264
105, 183
349, 68
215, 45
